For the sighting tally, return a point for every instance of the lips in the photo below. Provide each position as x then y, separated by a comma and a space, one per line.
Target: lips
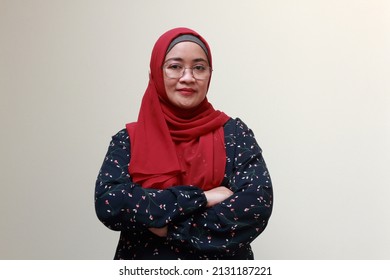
186, 91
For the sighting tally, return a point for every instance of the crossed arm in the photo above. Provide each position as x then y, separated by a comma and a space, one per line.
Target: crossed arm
218, 219
213, 197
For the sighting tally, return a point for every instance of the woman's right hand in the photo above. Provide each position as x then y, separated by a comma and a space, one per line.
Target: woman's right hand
217, 195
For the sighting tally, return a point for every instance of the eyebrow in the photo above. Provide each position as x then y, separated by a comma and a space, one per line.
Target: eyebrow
181, 59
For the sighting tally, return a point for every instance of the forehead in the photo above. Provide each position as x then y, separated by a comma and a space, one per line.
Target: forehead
186, 51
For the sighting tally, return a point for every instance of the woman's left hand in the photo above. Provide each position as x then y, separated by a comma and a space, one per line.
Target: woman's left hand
217, 195
161, 232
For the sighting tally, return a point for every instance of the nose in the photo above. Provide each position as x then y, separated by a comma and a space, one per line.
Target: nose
187, 75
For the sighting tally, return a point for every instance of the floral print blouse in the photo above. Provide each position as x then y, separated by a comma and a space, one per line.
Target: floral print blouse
223, 231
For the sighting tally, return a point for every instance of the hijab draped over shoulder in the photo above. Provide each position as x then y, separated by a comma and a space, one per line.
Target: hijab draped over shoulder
171, 146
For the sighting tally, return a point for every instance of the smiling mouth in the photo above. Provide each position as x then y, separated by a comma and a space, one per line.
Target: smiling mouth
186, 91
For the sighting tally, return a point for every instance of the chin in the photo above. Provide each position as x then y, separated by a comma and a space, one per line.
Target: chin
185, 106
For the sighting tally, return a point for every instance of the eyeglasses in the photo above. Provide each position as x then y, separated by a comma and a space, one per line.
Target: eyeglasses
176, 71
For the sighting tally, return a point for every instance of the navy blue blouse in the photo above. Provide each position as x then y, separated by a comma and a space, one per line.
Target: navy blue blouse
223, 231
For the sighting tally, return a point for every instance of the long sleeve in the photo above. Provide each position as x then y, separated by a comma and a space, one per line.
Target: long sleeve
237, 221
121, 204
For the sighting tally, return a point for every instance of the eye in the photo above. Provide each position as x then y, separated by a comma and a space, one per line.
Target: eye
175, 67
199, 68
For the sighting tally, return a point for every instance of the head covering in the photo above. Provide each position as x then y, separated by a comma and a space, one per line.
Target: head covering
171, 146
186, 38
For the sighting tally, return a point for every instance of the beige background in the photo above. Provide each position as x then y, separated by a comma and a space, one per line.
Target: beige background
311, 78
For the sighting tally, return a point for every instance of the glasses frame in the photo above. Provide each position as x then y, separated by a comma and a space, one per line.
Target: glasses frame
164, 67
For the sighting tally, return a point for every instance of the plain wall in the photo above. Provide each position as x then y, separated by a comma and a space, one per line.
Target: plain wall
311, 78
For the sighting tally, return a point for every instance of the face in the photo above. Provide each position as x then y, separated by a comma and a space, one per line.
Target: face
186, 92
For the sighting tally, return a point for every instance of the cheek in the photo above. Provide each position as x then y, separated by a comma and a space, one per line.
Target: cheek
204, 88
168, 84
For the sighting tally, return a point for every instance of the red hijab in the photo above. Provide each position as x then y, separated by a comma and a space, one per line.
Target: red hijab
172, 146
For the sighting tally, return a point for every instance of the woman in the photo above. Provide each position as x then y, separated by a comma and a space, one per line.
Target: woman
185, 181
